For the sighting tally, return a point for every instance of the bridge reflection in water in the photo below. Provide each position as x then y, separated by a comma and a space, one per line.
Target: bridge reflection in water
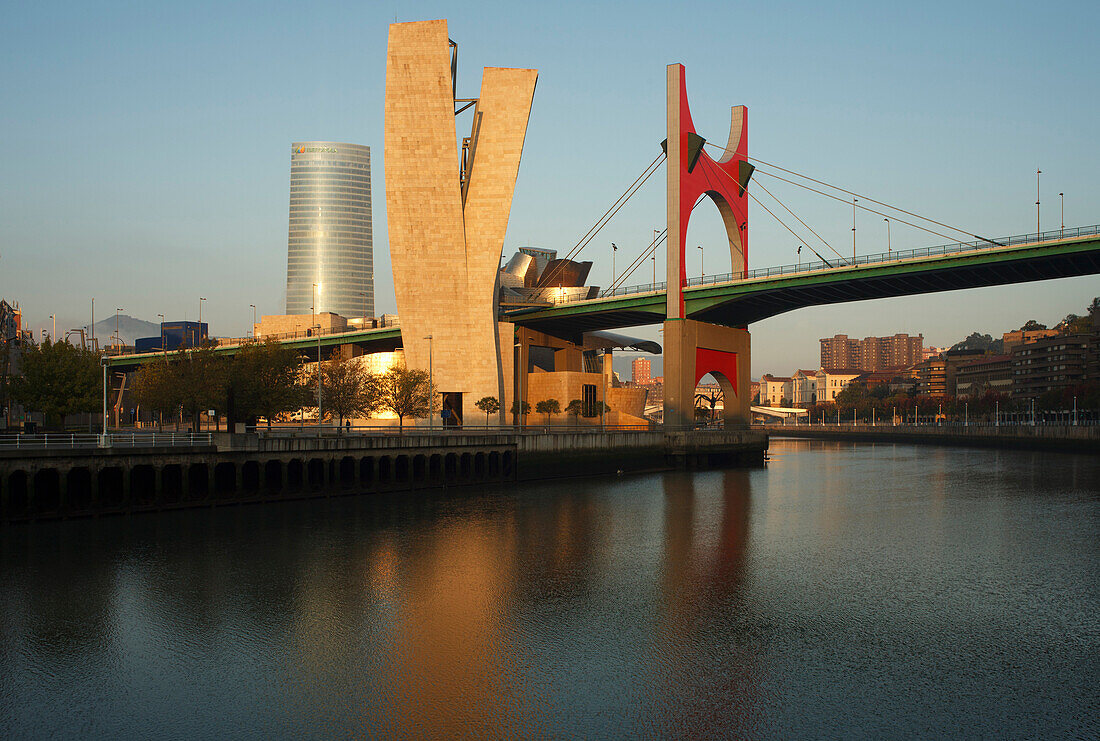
808, 597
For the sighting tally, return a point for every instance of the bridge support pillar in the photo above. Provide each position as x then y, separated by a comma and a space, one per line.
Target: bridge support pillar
694, 349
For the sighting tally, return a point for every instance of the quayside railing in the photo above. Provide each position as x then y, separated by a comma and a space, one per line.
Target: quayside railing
71, 440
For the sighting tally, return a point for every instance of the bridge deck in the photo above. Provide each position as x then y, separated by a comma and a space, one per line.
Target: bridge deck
768, 292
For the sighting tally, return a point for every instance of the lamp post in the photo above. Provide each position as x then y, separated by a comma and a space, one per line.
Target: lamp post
201, 299
317, 326
701, 271
854, 201
1037, 174
163, 344
656, 234
53, 330
1062, 207
118, 340
92, 325
887, 238
431, 385
614, 249
253, 320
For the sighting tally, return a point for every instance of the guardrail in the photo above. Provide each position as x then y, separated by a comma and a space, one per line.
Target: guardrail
876, 258
68, 440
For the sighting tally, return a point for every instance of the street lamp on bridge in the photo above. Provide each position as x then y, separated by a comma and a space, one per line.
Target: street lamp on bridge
1037, 174
887, 220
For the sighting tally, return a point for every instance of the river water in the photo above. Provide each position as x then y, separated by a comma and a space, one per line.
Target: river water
845, 591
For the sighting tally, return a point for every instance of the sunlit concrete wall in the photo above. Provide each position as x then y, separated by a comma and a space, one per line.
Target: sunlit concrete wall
446, 252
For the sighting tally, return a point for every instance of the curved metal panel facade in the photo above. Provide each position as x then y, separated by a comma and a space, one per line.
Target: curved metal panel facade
330, 240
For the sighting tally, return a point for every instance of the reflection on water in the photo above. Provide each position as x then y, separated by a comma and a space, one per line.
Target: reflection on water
869, 590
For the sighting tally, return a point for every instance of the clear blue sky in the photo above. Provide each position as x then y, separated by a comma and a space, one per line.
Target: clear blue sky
146, 157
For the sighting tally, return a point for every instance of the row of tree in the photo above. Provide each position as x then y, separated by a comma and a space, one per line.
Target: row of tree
1072, 324
265, 380
877, 402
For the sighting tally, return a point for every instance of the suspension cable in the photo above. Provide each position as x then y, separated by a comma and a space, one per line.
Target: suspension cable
652, 248
800, 221
868, 198
861, 206
651, 168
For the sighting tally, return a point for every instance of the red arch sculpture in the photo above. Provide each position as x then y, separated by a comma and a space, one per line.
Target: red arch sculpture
694, 173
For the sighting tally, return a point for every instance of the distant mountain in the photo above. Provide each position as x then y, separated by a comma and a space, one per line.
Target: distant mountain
129, 329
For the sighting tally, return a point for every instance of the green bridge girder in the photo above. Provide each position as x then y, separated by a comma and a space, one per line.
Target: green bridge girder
742, 302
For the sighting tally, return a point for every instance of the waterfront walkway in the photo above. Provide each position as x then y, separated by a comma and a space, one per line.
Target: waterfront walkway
1067, 437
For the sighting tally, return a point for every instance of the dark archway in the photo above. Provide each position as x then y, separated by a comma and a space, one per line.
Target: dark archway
143, 485
171, 483
47, 492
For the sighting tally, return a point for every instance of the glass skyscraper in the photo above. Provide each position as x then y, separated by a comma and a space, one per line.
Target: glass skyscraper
330, 241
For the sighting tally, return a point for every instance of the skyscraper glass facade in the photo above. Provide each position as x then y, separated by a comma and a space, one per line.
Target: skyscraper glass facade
330, 241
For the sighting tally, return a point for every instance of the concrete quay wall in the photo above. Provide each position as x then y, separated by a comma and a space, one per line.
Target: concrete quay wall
1066, 438
242, 469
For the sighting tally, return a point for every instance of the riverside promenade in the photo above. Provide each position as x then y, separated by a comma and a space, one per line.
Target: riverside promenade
58, 482
1068, 438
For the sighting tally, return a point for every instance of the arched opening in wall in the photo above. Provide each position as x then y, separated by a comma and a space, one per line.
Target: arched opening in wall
143, 485
508, 462
273, 476
78, 498
420, 468
250, 476
18, 495
494, 464
198, 482
709, 254
709, 400
171, 483
465, 466
366, 472
402, 469
479, 466
295, 475
47, 492
435, 468
385, 470
347, 472
450, 467
111, 491
715, 387
225, 479
316, 474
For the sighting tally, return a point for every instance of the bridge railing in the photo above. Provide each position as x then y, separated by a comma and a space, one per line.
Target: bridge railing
875, 258
69, 440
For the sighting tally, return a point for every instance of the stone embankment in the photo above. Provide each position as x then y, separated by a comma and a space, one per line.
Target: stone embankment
52, 483
1069, 438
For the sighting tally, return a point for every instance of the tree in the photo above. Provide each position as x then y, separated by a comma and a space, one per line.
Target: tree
489, 405
975, 341
406, 392
348, 389
574, 407
521, 408
266, 380
203, 378
1031, 325
156, 387
548, 407
58, 379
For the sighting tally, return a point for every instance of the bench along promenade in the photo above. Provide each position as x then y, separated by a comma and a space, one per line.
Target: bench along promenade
1065, 437
77, 477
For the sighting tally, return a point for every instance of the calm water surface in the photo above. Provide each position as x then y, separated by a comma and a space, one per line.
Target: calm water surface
849, 591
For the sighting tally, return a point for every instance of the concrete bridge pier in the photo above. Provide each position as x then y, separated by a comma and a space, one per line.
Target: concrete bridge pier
694, 349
